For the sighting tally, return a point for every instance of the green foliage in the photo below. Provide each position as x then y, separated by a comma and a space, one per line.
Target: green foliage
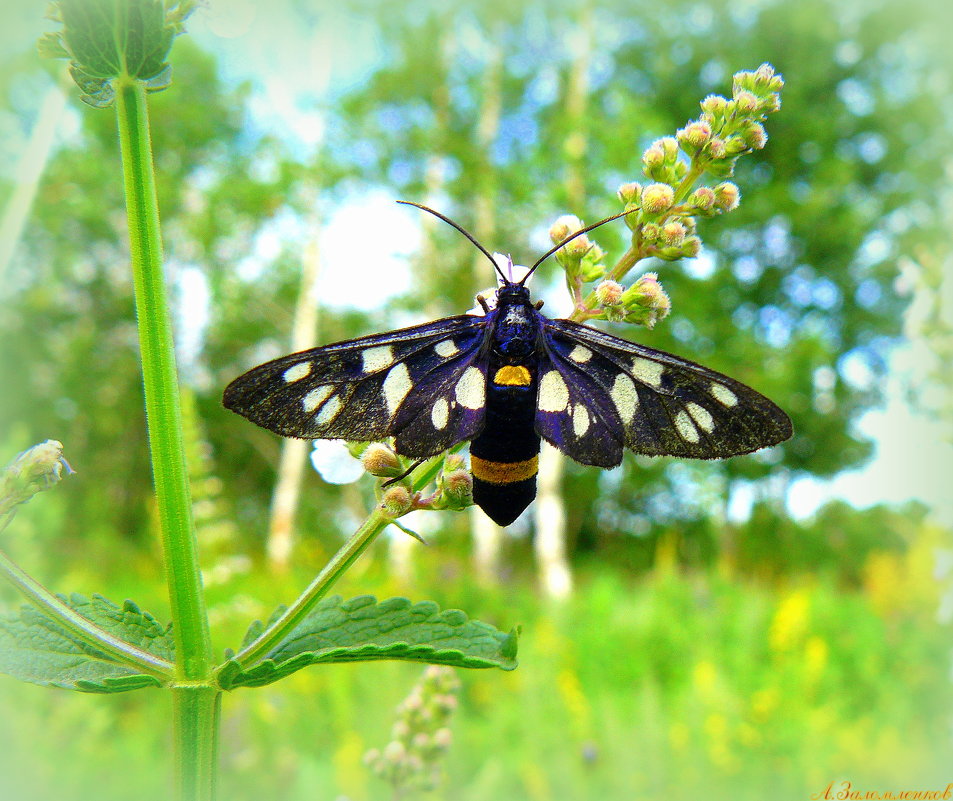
682, 686
362, 629
36, 649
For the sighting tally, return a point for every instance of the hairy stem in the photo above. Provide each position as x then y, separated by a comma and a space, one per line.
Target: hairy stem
196, 714
160, 381
196, 702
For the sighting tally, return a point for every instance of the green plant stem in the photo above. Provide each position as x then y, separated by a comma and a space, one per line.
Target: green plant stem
196, 714
629, 259
190, 621
79, 626
356, 544
688, 182
196, 701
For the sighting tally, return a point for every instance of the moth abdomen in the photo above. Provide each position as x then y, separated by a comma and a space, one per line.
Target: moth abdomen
504, 458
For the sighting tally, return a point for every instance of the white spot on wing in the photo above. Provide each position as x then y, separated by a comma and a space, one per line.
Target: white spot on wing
553, 393
686, 428
580, 354
440, 414
396, 386
296, 372
374, 359
701, 416
580, 420
447, 348
625, 397
723, 395
315, 398
328, 412
471, 389
648, 372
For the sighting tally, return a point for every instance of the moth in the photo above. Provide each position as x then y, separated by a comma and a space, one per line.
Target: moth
504, 380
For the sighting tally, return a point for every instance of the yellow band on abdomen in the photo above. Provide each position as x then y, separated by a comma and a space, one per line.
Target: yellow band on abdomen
503, 472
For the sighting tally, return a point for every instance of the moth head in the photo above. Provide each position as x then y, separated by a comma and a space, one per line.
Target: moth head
509, 273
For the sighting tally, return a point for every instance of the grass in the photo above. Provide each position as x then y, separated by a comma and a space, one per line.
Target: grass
673, 686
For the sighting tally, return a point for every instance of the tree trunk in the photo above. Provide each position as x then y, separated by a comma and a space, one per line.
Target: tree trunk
294, 452
555, 575
487, 535
28, 173
400, 547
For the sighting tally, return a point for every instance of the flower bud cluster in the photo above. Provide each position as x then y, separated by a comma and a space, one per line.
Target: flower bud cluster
36, 469
727, 128
454, 485
662, 212
662, 218
643, 303
581, 258
412, 760
660, 161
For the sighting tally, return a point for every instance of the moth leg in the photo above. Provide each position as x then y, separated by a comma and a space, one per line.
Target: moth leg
403, 475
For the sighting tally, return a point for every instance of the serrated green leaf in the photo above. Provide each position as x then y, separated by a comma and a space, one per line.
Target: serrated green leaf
50, 45
161, 80
107, 39
96, 92
363, 630
35, 648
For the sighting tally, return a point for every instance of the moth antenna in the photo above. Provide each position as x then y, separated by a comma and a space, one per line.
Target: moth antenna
463, 231
569, 238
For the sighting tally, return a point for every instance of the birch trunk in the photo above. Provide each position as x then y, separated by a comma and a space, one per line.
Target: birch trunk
552, 564
304, 334
28, 173
487, 535
400, 548
294, 452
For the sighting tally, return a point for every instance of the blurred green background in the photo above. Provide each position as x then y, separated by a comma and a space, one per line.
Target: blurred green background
757, 628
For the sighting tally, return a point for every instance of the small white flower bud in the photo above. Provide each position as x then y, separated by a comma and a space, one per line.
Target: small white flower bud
694, 135
673, 233
717, 148
36, 469
657, 198
630, 192
754, 135
395, 751
565, 226
691, 247
608, 293
702, 198
397, 501
727, 196
654, 156
714, 105
380, 460
746, 102
442, 738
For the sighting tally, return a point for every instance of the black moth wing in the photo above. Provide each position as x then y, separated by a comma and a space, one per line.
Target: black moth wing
650, 401
372, 387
